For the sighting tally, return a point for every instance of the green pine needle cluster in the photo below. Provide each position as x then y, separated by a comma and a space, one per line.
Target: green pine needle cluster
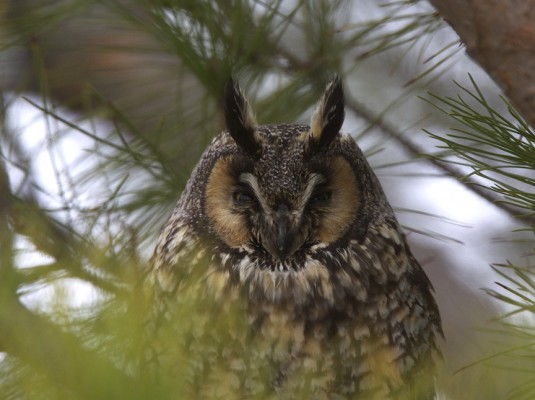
497, 147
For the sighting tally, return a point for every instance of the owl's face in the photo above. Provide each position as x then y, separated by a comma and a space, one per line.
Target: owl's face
282, 191
285, 200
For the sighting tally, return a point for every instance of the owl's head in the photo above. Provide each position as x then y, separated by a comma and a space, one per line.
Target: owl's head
281, 191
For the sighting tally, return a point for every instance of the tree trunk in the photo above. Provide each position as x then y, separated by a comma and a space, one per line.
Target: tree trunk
500, 36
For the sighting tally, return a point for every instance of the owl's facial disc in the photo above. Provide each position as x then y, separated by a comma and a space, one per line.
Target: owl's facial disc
243, 212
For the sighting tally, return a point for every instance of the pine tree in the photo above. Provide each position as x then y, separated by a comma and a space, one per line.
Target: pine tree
134, 87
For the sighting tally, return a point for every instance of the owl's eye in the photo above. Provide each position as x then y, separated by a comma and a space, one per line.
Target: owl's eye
243, 197
320, 197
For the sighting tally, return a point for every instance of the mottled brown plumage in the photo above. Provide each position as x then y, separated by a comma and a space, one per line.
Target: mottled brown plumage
285, 232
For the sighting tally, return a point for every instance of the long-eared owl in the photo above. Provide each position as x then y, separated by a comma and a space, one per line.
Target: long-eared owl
286, 271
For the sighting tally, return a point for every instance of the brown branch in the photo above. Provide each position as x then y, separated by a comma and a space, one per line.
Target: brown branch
500, 36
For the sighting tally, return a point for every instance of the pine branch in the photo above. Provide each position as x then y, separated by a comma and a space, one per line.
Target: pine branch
60, 357
43, 346
494, 146
448, 168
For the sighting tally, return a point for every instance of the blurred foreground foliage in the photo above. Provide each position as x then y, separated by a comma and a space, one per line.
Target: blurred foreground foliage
499, 149
134, 86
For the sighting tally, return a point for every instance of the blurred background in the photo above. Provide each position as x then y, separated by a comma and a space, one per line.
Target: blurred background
107, 106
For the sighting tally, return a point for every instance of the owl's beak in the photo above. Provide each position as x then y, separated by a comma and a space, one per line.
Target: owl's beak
281, 241
282, 236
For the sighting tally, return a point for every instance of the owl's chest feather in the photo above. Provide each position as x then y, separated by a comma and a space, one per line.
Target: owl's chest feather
349, 322
329, 331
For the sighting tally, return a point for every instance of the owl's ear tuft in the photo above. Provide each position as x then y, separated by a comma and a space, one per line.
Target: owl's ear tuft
328, 117
240, 119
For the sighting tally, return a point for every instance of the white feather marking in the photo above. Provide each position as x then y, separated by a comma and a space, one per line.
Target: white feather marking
248, 118
317, 121
251, 180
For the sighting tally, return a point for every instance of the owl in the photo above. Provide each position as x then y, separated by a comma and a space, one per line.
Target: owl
286, 272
